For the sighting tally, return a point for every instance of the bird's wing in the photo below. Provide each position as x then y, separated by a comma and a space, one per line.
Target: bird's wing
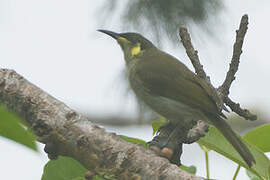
165, 76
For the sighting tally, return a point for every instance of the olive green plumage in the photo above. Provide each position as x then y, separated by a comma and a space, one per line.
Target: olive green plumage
168, 87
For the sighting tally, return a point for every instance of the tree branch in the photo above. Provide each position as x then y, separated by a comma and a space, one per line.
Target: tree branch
192, 53
220, 95
194, 58
237, 109
74, 135
237, 51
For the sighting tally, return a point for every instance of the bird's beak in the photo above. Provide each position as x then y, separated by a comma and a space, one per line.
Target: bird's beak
110, 33
116, 36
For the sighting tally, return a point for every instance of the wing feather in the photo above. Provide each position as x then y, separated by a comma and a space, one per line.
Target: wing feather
172, 79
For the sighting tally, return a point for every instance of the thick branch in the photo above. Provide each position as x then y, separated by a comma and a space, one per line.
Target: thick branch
75, 136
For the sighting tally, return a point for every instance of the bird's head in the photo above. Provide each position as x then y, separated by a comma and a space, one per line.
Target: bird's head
132, 44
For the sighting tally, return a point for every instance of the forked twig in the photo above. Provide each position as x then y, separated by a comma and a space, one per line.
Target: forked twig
220, 95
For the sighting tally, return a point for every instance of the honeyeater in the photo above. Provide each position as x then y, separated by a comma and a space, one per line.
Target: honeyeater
170, 89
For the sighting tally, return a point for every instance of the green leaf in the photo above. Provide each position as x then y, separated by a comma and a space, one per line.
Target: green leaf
216, 141
260, 137
64, 168
156, 124
190, 169
11, 128
133, 140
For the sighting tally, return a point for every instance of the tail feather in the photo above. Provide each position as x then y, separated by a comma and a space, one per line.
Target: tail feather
235, 141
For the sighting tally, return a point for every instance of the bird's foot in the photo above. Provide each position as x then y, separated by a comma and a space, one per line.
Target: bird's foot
159, 141
167, 143
162, 137
170, 138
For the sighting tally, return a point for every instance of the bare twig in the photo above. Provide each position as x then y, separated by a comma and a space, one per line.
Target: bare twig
230, 77
220, 95
235, 107
194, 58
192, 53
237, 51
74, 135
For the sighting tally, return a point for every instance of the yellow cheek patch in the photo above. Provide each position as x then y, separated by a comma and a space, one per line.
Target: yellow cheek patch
122, 39
136, 50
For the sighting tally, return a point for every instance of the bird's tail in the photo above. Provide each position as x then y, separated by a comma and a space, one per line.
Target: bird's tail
235, 141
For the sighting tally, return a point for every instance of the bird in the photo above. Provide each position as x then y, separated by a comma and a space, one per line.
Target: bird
171, 89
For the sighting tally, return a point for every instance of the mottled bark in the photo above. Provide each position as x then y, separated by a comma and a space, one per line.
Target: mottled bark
71, 134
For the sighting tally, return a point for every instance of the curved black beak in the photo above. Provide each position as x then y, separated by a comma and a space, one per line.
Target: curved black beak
110, 33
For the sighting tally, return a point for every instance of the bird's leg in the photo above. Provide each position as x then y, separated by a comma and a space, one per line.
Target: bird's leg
185, 135
175, 143
161, 139
169, 141
160, 143
171, 137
